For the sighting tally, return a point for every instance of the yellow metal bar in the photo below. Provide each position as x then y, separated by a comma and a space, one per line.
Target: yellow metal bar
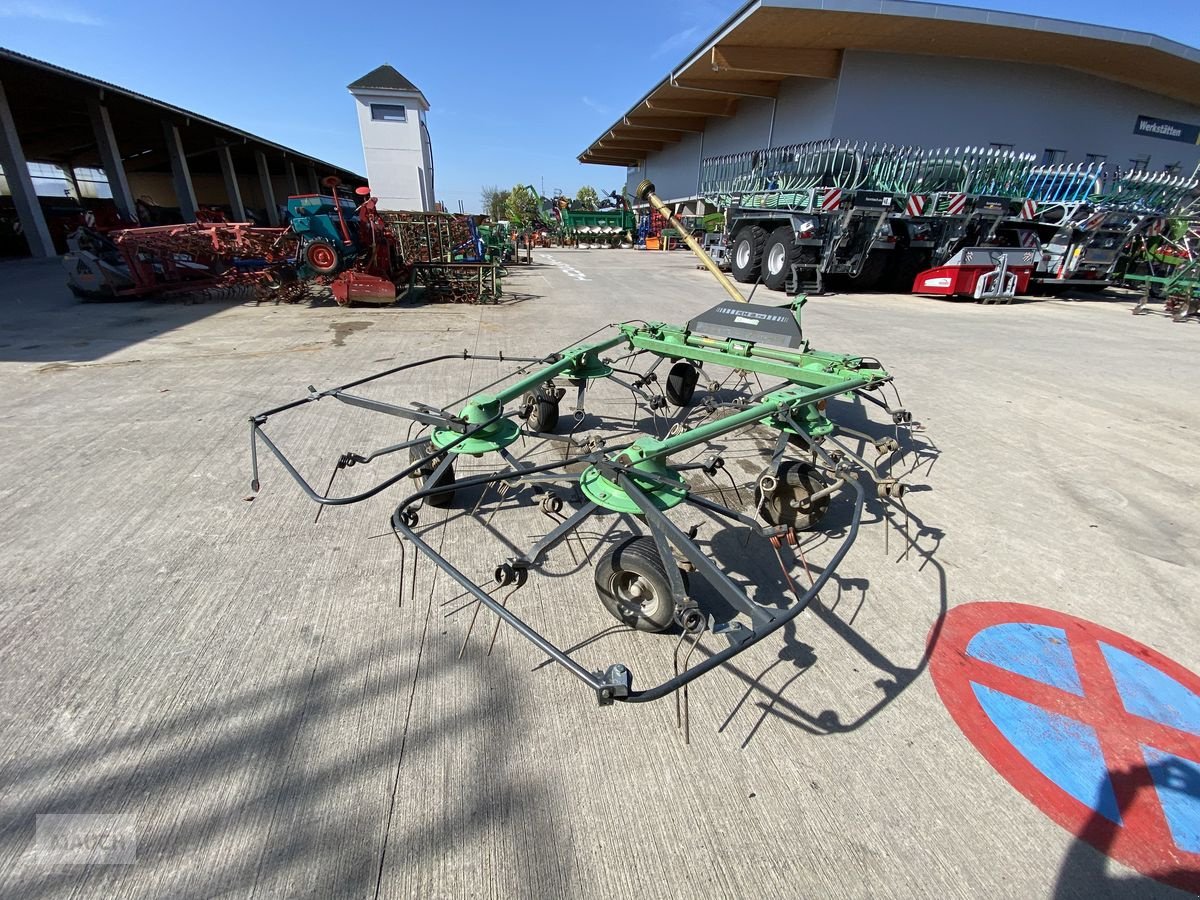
645, 191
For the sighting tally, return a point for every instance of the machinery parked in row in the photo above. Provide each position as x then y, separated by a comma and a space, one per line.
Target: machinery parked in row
812, 215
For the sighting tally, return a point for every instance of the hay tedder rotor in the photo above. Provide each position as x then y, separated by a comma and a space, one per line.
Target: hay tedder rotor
657, 415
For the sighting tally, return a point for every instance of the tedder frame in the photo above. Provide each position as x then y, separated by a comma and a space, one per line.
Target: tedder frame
647, 581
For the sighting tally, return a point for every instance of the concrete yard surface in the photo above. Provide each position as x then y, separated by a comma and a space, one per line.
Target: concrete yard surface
274, 710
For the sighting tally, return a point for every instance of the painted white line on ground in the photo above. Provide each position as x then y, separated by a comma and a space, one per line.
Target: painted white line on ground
567, 269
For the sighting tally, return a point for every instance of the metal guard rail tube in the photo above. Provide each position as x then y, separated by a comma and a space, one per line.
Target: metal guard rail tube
802, 603
256, 433
592, 680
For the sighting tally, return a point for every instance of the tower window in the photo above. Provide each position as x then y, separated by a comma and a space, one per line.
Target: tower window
388, 112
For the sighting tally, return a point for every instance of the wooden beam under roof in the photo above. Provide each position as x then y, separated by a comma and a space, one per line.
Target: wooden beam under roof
645, 118
733, 87
638, 133
598, 159
620, 143
712, 105
788, 62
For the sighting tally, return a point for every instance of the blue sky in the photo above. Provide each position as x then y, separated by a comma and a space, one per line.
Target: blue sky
517, 90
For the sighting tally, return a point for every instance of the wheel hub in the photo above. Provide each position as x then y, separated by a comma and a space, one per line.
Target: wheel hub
775, 259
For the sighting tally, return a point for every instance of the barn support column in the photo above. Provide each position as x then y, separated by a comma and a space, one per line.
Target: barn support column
110, 159
181, 175
16, 172
232, 191
268, 189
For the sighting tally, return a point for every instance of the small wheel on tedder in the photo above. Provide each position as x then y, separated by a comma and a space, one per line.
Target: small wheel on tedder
543, 415
440, 500
681, 383
633, 585
787, 499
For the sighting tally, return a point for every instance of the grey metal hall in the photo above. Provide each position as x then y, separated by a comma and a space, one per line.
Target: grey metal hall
781, 72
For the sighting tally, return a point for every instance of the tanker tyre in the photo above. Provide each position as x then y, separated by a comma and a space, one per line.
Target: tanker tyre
777, 258
746, 258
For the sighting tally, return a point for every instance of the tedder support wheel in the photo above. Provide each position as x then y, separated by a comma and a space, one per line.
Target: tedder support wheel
787, 500
632, 582
321, 257
777, 257
747, 253
681, 383
544, 414
441, 500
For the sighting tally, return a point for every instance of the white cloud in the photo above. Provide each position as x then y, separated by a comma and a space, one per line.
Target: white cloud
596, 107
48, 12
676, 42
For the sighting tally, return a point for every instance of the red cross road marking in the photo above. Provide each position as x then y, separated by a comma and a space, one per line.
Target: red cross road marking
1143, 841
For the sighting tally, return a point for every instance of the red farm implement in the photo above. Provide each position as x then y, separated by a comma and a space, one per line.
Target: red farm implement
174, 259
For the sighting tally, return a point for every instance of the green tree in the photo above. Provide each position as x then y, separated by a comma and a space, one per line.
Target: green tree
587, 198
495, 202
523, 205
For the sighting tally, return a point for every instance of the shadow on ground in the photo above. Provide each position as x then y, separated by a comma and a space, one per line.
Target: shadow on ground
231, 795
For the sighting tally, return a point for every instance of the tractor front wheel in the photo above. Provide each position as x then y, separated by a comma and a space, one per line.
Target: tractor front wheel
321, 257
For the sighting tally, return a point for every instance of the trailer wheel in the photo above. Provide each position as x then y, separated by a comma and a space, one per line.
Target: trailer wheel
441, 500
321, 257
633, 585
777, 257
868, 273
747, 253
681, 383
787, 501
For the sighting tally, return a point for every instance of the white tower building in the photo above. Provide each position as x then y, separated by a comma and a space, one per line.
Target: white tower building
395, 139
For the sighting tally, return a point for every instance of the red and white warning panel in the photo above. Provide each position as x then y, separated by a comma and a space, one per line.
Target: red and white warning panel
1029, 209
832, 200
915, 205
980, 273
958, 203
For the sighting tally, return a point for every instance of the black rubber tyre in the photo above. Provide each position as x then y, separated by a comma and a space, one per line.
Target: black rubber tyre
544, 417
902, 269
869, 272
681, 383
441, 500
104, 295
321, 257
633, 585
746, 256
797, 482
777, 258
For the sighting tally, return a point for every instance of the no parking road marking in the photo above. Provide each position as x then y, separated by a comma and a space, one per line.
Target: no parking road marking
1100, 732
